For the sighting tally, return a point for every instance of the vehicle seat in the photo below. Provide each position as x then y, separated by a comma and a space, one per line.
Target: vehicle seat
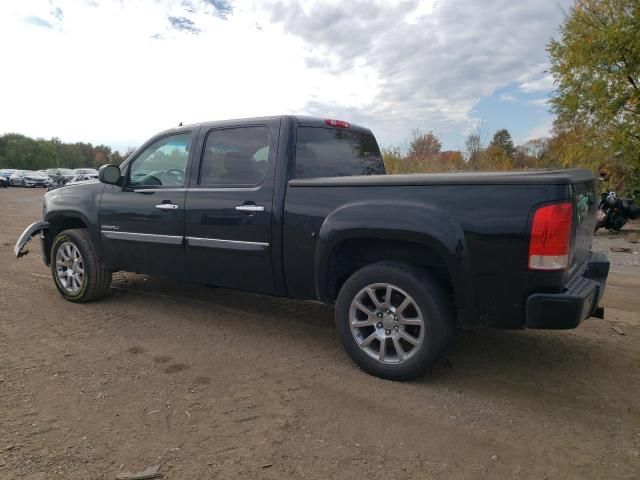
239, 169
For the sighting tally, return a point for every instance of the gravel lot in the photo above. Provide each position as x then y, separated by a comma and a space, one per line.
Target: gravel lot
211, 383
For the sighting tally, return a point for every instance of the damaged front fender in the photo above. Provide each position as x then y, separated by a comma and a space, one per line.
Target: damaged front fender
32, 230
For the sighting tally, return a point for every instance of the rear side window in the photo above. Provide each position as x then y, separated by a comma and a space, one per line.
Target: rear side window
235, 156
332, 152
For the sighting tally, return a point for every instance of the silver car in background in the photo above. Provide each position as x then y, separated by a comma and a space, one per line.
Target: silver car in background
86, 171
28, 178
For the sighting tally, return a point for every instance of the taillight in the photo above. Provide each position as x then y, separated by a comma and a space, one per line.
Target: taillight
550, 240
337, 123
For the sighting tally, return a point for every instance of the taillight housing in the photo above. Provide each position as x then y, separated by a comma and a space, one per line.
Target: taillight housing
337, 123
550, 241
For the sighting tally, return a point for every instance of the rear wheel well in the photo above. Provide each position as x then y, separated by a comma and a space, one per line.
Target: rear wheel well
57, 225
351, 255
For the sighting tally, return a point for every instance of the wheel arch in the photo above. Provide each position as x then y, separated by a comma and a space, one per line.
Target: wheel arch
360, 234
60, 221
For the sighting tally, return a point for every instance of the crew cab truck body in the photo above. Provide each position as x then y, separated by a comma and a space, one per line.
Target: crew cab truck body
301, 207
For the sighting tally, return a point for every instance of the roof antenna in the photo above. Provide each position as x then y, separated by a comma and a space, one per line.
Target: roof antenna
180, 124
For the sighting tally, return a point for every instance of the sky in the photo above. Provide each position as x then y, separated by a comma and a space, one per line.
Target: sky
116, 72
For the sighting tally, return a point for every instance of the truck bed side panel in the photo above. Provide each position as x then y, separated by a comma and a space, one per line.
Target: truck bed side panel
495, 221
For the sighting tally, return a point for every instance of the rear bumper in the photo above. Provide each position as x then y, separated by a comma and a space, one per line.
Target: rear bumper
580, 299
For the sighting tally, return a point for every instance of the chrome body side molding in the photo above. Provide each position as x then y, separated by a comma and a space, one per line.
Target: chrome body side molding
226, 244
143, 237
191, 241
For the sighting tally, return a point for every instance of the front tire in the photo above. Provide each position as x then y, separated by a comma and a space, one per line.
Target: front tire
76, 269
394, 320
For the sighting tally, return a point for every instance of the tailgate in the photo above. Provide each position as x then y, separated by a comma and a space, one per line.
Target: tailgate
585, 206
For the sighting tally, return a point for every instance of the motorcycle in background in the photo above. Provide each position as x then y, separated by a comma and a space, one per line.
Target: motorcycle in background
614, 212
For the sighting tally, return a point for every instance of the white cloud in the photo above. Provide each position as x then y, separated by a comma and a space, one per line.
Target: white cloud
539, 102
540, 84
117, 72
543, 130
507, 97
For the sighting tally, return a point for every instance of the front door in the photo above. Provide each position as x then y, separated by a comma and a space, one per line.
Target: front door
229, 208
142, 222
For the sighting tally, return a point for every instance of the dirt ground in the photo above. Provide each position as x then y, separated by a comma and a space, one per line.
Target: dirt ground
211, 383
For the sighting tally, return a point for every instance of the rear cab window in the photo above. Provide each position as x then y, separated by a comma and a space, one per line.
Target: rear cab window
336, 152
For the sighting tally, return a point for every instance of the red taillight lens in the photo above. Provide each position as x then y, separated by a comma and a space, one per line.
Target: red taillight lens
551, 237
337, 123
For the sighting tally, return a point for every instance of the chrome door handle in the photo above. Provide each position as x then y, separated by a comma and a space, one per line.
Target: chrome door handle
167, 206
250, 208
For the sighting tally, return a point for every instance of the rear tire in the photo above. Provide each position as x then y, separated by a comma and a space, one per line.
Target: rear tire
76, 269
401, 329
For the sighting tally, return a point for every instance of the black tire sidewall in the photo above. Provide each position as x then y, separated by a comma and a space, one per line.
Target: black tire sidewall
432, 301
70, 236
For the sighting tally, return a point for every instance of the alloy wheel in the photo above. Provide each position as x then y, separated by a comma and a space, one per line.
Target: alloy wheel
386, 323
69, 267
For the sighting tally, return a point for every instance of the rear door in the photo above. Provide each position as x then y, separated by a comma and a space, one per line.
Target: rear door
142, 222
229, 207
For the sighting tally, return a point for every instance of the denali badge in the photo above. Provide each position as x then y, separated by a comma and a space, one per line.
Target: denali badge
109, 227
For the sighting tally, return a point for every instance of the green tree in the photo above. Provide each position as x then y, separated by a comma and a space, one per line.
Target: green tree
24, 153
102, 155
116, 158
69, 156
596, 66
19, 152
502, 139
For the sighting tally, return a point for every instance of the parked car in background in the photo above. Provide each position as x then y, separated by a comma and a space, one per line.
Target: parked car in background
82, 178
28, 178
7, 172
17, 179
58, 174
59, 177
85, 171
4, 181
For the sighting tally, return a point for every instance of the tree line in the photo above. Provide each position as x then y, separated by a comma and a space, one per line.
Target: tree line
25, 153
563, 149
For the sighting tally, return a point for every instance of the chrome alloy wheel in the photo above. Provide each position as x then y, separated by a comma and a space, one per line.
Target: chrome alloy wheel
386, 323
69, 267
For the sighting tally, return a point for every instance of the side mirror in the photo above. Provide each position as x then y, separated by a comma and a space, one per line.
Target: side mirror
109, 174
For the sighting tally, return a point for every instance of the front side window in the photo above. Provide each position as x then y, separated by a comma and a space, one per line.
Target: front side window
235, 156
162, 164
332, 152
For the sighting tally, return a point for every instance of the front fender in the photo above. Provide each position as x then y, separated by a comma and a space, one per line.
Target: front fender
32, 230
418, 223
75, 206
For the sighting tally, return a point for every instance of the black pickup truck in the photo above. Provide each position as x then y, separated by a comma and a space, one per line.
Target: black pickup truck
301, 207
